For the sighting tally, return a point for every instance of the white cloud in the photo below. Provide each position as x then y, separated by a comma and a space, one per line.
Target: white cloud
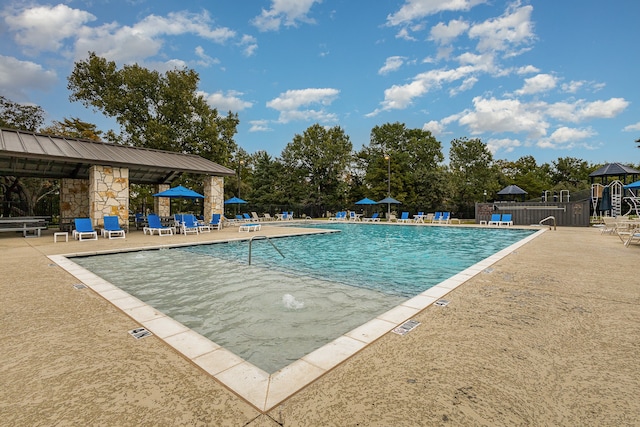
444, 33
290, 102
632, 128
527, 69
565, 137
399, 97
284, 12
537, 84
249, 44
226, 102
466, 85
393, 63
435, 127
259, 126
417, 9
581, 110
504, 33
504, 115
505, 144
17, 77
44, 28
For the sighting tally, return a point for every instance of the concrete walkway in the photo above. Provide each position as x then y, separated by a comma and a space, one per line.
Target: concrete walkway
550, 335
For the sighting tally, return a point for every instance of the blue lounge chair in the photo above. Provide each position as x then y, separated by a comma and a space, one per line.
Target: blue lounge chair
84, 230
374, 218
112, 228
436, 217
404, 217
506, 220
156, 226
495, 219
216, 221
189, 224
445, 217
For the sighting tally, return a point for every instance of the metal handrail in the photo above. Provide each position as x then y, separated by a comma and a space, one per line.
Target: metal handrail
261, 238
548, 218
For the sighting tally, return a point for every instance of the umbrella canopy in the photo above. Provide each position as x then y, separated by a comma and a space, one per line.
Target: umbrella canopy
633, 185
179, 192
511, 190
234, 200
389, 200
366, 201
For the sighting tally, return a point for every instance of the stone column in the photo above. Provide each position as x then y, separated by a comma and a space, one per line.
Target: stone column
74, 201
109, 194
161, 205
213, 196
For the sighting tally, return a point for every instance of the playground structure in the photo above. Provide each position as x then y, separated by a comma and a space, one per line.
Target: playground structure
609, 198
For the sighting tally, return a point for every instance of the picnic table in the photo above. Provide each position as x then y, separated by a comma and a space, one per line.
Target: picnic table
30, 226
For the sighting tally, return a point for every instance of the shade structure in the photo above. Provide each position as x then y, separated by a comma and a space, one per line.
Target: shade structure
179, 192
366, 201
633, 185
390, 200
614, 169
235, 200
511, 190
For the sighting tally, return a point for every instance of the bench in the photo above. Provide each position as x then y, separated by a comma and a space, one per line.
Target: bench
30, 227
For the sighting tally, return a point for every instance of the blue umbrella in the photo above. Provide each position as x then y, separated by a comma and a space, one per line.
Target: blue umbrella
633, 185
366, 201
234, 200
179, 192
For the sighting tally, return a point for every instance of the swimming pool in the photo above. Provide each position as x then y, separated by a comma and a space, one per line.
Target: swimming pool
278, 309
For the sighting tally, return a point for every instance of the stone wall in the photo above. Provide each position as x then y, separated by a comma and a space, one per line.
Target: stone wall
213, 196
109, 194
74, 199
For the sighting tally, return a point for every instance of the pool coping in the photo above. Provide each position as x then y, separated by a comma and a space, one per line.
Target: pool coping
259, 388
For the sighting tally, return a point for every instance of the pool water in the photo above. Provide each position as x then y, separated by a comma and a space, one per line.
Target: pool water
277, 309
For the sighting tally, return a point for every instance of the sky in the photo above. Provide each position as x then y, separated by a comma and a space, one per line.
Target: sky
539, 78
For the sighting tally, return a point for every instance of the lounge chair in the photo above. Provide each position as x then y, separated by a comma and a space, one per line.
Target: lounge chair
610, 224
445, 217
250, 227
340, 216
216, 221
374, 218
246, 217
112, 228
495, 219
506, 220
189, 225
255, 217
84, 230
268, 217
436, 217
156, 226
634, 236
404, 217
353, 216
202, 226
428, 217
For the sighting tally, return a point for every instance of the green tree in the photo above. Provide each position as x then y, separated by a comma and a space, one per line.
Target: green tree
268, 181
20, 195
472, 171
74, 128
406, 163
18, 116
570, 172
317, 164
154, 110
526, 174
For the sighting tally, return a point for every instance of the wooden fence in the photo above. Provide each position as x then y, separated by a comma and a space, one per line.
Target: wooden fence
571, 214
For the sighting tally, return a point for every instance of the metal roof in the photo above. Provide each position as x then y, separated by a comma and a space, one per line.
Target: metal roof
614, 169
36, 155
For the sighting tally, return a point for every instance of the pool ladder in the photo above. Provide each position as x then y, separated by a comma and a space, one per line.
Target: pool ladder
261, 238
548, 218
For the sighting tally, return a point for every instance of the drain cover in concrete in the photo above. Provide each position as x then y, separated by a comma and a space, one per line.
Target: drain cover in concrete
79, 286
441, 302
140, 333
405, 327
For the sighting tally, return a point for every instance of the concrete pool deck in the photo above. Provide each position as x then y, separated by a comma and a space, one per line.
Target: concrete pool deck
549, 335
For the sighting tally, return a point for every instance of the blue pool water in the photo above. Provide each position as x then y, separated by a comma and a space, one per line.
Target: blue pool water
276, 310
398, 260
